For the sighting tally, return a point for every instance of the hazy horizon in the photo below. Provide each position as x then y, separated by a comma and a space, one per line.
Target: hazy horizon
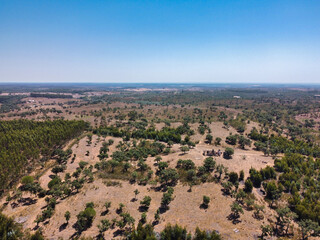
250, 42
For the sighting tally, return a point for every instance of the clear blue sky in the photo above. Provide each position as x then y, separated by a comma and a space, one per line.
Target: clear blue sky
160, 41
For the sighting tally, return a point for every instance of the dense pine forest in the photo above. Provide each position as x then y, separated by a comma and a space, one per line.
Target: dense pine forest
22, 141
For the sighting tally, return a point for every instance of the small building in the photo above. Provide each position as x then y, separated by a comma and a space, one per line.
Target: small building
236, 97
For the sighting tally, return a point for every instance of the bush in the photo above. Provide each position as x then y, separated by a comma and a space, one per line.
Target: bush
209, 164
85, 218
174, 232
248, 186
27, 180
232, 139
228, 153
206, 201
145, 203
217, 141
9, 226
233, 177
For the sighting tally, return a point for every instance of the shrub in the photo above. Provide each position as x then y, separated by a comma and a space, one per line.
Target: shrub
228, 153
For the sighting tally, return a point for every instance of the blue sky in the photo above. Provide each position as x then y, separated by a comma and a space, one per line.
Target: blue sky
160, 41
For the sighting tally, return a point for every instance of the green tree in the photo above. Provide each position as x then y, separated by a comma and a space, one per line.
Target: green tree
85, 219
205, 201
169, 176
233, 177
174, 232
217, 142
142, 232
308, 227
104, 226
209, 164
9, 229
272, 192
113, 164
236, 209
67, 216
136, 192
248, 186
209, 138
145, 203
107, 205
27, 180
228, 152
184, 149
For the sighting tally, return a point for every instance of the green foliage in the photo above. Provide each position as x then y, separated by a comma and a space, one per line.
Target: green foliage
228, 152
9, 229
67, 216
55, 181
272, 191
209, 138
174, 232
167, 198
37, 236
85, 218
184, 149
205, 235
308, 228
255, 177
185, 164
206, 201
279, 144
209, 164
145, 203
233, 177
248, 186
238, 124
217, 141
142, 233
23, 140
169, 176
104, 225
241, 176
49, 95
236, 210
232, 139
165, 135
27, 180
243, 141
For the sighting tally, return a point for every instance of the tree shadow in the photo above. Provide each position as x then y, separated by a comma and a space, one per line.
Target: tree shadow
154, 223
203, 206
163, 209
104, 213
117, 233
75, 235
63, 227
143, 209
36, 228
52, 176
234, 219
27, 201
